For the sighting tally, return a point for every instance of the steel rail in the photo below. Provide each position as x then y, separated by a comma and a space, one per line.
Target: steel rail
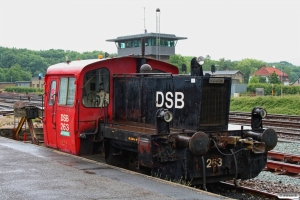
282, 167
247, 121
291, 158
269, 116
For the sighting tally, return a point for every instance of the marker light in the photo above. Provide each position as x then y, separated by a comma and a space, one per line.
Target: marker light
257, 115
168, 116
164, 114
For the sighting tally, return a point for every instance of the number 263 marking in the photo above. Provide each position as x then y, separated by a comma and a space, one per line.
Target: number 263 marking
213, 162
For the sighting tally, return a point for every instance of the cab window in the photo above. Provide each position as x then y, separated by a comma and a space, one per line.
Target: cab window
51, 99
96, 88
67, 91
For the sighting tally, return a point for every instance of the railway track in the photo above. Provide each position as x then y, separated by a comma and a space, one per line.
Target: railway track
278, 163
256, 193
283, 162
243, 189
269, 116
286, 126
280, 122
7, 101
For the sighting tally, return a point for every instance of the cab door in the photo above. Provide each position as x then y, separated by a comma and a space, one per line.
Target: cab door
50, 107
65, 115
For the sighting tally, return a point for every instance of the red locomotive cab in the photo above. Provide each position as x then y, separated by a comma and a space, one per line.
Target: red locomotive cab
78, 100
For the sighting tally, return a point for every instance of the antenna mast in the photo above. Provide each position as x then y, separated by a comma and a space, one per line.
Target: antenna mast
145, 31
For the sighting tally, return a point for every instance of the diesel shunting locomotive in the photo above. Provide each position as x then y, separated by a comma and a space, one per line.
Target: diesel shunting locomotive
144, 116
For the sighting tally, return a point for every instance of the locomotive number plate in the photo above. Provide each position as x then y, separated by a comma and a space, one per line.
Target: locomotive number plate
216, 80
213, 162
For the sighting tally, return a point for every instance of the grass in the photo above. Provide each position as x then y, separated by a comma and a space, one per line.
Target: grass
180, 181
289, 104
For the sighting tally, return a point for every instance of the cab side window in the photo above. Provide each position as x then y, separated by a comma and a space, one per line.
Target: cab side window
96, 88
51, 99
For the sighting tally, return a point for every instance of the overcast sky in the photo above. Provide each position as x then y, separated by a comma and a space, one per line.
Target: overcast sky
267, 30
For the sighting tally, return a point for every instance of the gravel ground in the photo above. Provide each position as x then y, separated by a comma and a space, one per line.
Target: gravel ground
276, 183
288, 147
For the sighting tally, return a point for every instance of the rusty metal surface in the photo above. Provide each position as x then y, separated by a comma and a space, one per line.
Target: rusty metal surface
284, 156
165, 153
137, 129
283, 167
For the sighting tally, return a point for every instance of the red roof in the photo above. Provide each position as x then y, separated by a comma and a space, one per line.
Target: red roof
267, 71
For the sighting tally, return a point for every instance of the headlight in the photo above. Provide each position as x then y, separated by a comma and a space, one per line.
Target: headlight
164, 114
257, 115
168, 116
200, 60
259, 111
263, 113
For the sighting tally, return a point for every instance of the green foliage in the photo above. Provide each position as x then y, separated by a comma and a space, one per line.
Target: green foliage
32, 63
288, 68
262, 79
178, 60
22, 64
257, 79
2, 75
288, 105
273, 78
286, 90
23, 89
249, 66
254, 80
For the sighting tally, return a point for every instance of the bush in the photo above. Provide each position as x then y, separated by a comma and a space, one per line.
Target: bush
287, 90
23, 89
288, 104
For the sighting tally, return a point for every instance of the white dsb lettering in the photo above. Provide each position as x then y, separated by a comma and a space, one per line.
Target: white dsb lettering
169, 100
179, 99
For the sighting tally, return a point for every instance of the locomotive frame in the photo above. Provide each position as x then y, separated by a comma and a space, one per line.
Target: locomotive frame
162, 123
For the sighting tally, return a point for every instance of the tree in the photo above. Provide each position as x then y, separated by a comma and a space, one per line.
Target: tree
13, 74
273, 78
2, 75
254, 80
248, 66
178, 60
262, 79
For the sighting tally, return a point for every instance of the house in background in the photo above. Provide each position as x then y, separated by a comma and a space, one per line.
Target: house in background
296, 83
3, 85
23, 83
236, 75
37, 83
267, 71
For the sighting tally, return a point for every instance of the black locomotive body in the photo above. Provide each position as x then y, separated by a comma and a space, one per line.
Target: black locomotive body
176, 128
